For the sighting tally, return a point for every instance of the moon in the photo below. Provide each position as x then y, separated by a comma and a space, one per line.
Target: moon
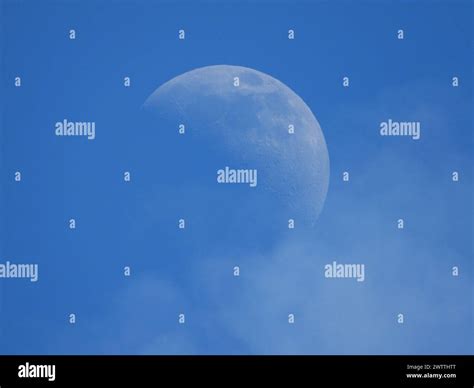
254, 121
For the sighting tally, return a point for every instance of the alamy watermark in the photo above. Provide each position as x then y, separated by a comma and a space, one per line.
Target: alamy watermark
335, 270
401, 128
231, 175
75, 128
19, 271
28, 370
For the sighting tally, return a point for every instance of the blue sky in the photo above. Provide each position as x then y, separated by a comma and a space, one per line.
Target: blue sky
134, 224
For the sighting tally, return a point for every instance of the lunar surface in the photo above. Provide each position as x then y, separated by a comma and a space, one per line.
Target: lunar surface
255, 122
